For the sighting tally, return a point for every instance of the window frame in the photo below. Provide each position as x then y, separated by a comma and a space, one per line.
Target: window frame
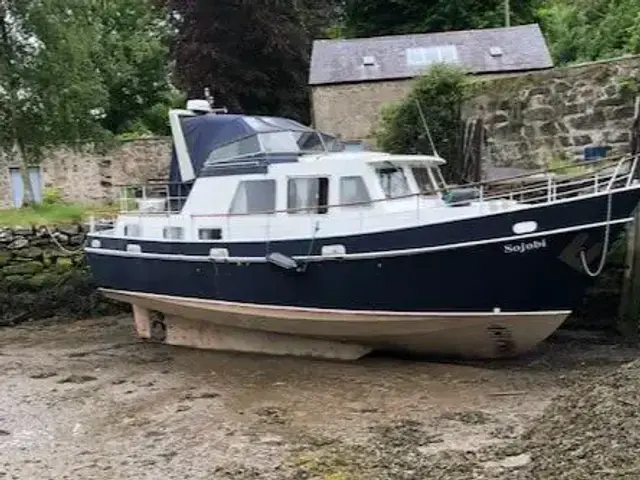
317, 209
366, 204
174, 228
273, 198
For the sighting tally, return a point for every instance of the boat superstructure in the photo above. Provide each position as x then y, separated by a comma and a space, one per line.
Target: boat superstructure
270, 237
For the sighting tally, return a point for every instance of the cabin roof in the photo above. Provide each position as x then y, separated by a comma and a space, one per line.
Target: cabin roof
490, 50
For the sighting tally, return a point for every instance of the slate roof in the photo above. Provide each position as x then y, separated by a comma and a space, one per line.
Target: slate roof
342, 61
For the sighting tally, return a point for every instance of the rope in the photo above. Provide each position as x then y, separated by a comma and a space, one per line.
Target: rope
605, 246
59, 245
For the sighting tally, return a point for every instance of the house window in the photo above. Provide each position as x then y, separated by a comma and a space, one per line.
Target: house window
254, 197
173, 233
209, 234
394, 182
308, 195
423, 56
354, 191
132, 230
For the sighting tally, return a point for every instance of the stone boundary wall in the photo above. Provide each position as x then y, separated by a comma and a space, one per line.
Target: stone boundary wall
557, 113
88, 176
38, 279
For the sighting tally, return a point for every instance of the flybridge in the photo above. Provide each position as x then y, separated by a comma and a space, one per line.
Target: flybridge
207, 143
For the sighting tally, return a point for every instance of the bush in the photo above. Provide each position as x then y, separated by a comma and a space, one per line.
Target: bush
52, 196
441, 92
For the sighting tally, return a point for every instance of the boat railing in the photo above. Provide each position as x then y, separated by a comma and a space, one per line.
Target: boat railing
545, 186
154, 197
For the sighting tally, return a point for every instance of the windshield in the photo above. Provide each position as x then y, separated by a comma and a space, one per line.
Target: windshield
393, 182
283, 141
425, 178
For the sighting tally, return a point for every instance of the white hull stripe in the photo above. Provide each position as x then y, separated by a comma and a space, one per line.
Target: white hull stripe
350, 256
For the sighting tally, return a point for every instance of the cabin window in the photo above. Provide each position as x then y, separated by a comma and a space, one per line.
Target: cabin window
132, 231
354, 191
254, 197
308, 195
424, 180
173, 233
394, 182
209, 234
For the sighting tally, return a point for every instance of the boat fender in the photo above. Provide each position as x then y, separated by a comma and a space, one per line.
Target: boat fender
458, 197
283, 261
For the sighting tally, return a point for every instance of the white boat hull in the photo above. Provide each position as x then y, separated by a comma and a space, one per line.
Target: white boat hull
334, 334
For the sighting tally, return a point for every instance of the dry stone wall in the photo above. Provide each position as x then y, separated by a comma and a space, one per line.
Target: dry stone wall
43, 274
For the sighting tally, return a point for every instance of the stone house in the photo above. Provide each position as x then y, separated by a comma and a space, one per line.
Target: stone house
351, 79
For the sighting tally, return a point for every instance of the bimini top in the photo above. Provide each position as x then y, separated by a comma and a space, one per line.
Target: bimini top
224, 144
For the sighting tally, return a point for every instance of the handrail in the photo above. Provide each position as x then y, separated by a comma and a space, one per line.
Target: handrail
549, 188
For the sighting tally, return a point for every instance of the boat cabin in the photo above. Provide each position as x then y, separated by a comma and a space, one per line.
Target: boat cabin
234, 176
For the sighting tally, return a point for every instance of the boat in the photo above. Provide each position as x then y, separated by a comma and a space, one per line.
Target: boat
269, 236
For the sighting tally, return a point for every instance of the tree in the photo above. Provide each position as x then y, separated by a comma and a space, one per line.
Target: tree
440, 93
254, 55
585, 30
50, 90
365, 18
131, 51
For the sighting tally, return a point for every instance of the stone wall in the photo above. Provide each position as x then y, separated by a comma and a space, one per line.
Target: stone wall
351, 110
557, 113
87, 176
530, 117
43, 274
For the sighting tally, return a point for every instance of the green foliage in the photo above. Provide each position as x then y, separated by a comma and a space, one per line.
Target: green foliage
52, 196
52, 214
441, 92
391, 17
585, 30
130, 48
253, 55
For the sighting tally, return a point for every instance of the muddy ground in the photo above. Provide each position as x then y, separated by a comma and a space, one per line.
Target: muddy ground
86, 400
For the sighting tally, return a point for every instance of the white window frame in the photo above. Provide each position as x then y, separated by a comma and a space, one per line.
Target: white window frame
241, 185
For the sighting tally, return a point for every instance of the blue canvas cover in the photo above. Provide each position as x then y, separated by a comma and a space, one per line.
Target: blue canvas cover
205, 133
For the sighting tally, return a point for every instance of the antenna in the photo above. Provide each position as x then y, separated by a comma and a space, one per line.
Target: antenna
426, 128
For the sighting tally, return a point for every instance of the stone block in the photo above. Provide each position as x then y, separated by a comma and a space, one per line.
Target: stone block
30, 253
64, 264
549, 128
18, 243
541, 90
621, 113
582, 139
43, 280
575, 108
25, 268
588, 121
69, 230
23, 231
619, 137
616, 101
6, 235
5, 258
498, 117
540, 114
562, 86
564, 140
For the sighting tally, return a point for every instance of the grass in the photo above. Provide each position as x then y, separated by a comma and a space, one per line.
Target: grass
53, 214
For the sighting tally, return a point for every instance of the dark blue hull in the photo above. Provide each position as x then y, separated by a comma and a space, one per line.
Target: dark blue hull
465, 266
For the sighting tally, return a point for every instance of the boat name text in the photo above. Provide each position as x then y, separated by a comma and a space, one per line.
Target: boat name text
524, 247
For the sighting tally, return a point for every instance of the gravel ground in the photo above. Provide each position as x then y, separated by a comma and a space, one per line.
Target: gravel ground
86, 400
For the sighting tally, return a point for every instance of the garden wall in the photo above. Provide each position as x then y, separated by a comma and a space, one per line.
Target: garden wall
43, 275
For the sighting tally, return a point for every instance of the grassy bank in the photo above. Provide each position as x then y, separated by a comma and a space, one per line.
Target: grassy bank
53, 214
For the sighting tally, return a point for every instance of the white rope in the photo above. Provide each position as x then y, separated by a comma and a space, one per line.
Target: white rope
605, 246
59, 245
